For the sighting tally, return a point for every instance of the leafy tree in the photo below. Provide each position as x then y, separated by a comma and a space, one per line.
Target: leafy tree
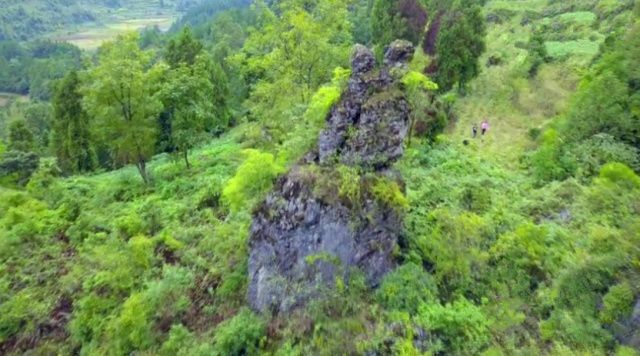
291, 54
18, 166
460, 42
20, 137
187, 97
220, 95
122, 96
38, 118
361, 16
417, 86
397, 19
601, 107
70, 136
549, 162
183, 50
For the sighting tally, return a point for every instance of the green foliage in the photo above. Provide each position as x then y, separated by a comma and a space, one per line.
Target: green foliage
292, 54
187, 96
617, 303
70, 135
300, 139
497, 258
591, 154
387, 192
16, 167
31, 68
122, 95
28, 19
406, 288
44, 177
361, 20
620, 175
417, 86
239, 335
537, 53
607, 113
20, 137
349, 188
183, 50
254, 177
457, 327
549, 162
179, 340
397, 19
460, 42
415, 81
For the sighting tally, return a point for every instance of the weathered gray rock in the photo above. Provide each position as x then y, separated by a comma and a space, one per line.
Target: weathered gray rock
628, 332
307, 232
300, 243
370, 123
398, 53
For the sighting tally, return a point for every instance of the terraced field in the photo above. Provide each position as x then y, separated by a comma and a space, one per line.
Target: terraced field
91, 37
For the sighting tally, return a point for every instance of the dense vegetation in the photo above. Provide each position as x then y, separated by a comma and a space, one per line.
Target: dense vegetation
126, 194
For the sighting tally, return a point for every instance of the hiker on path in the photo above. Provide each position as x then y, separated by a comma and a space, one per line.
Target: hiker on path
484, 127
474, 130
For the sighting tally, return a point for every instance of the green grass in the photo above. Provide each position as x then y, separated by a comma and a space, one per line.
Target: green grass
582, 17
583, 48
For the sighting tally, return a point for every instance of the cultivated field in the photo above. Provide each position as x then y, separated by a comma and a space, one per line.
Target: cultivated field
91, 37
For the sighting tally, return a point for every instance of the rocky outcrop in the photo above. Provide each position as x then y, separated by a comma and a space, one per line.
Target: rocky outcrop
340, 210
628, 331
370, 123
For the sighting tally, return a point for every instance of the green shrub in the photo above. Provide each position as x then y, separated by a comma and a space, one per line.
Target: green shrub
617, 303
595, 152
406, 288
349, 186
388, 193
179, 341
131, 330
239, 335
620, 175
549, 162
20, 312
253, 178
456, 328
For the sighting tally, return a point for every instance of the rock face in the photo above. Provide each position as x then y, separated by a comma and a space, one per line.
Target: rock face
628, 332
340, 209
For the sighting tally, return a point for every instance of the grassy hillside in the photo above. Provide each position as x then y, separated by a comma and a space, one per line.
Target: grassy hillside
514, 104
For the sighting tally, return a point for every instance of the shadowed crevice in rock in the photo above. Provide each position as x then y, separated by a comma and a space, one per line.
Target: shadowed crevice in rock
311, 229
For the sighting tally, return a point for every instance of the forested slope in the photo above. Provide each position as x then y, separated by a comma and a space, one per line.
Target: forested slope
132, 201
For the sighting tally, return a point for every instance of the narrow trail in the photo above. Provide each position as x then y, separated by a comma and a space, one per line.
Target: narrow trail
505, 96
